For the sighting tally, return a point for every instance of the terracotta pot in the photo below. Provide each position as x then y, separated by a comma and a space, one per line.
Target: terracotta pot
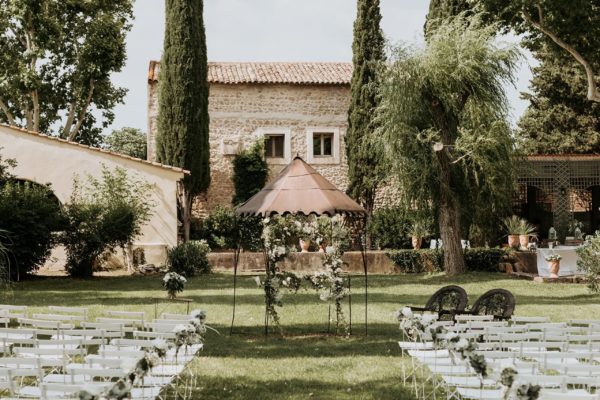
554, 267
524, 241
304, 245
322, 247
513, 241
416, 242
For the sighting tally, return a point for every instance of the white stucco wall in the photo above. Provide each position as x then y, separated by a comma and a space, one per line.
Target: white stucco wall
45, 160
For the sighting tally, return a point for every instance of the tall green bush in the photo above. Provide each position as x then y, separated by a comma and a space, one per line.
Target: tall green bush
388, 228
588, 262
31, 216
224, 230
102, 215
250, 172
189, 257
431, 260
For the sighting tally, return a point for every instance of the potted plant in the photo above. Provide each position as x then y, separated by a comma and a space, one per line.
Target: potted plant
306, 231
513, 226
553, 264
526, 230
417, 231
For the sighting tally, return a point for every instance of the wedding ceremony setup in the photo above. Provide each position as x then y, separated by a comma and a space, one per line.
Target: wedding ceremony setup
299, 199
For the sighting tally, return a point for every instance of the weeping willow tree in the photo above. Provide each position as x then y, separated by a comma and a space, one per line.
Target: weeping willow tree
444, 124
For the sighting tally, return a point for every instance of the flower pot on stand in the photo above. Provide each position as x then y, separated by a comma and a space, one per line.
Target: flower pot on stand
416, 242
513, 241
524, 241
304, 245
554, 267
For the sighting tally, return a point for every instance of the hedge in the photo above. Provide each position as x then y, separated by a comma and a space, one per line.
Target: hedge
431, 260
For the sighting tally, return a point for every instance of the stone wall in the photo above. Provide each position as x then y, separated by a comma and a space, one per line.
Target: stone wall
377, 261
241, 113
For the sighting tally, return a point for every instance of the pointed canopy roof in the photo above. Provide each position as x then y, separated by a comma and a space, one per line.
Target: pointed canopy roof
300, 189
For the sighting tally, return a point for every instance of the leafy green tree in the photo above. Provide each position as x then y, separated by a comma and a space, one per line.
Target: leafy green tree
365, 170
250, 172
444, 125
103, 214
56, 60
183, 120
566, 29
559, 118
129, 141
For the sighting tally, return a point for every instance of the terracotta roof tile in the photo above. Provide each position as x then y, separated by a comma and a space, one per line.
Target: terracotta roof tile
112, 153
563, 157
298, 73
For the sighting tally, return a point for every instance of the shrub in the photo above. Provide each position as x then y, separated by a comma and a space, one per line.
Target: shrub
223, 229
589, 263
431, 260
103, 215
188, 258
31, 216
250, 172
388, 228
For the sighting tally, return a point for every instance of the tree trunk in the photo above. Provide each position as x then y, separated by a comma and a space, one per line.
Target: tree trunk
449, 218
187, 215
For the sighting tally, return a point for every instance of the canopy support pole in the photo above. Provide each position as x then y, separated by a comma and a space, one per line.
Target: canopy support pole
236, 259
363, 252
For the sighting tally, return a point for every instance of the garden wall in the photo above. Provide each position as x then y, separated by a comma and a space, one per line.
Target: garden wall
378, 262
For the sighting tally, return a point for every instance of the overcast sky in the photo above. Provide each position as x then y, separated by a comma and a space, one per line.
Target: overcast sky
270, 30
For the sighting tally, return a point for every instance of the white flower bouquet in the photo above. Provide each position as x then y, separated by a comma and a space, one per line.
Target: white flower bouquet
173, 283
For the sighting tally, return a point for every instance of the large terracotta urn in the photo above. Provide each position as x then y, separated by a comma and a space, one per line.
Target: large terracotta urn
304, 245
524, 241
554, 267
513, 241
416, 242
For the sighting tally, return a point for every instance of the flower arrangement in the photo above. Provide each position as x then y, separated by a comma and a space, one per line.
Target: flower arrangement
331, 285
173, 283
553, 257
160, 348
414, 325
277, 233
121, 390
525, 391
200, 315
185, 335
307, 230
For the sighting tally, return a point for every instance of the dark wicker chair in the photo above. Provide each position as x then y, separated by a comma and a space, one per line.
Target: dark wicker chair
497, 302
447, 301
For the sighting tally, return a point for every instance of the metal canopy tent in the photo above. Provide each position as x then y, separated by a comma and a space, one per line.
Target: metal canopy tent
300, 190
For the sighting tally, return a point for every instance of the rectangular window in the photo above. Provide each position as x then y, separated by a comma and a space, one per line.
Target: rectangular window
274, 146
322, 144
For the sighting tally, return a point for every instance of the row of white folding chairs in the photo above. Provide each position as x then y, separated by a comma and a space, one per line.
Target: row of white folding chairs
458, 379
473, 326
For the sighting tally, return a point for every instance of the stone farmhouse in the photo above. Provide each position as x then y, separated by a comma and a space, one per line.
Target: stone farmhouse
300, 108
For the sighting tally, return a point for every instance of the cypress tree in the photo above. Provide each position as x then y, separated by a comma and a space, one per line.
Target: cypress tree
365, 171
440, 10
182, 137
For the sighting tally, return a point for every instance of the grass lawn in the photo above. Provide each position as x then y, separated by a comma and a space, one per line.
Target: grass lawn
306, 363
